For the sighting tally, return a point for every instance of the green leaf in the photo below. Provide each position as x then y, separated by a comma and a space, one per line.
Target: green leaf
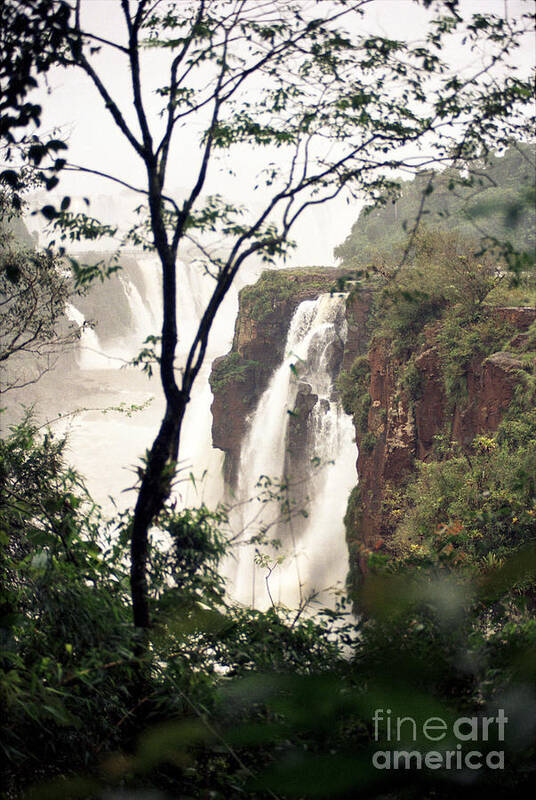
49, 212
10, 177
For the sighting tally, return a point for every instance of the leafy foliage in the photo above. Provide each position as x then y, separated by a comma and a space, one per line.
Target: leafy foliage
490, 202
34, 290
70, 662
31, 37
463, 338
473, 509
353, 387
66, 647
230, 368
228, 700
445, 271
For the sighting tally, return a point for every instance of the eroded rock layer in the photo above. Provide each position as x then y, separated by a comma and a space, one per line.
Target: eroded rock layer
401, 400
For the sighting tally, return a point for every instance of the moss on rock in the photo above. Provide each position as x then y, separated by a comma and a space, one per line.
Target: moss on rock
230, 368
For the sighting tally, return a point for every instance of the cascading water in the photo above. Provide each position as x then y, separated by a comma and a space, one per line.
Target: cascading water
143, 315
316, 459
90, 351
101, 382
314, 547
94, 354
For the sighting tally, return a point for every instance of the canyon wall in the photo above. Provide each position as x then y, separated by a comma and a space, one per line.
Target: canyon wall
402, 404
239, 378
403, 412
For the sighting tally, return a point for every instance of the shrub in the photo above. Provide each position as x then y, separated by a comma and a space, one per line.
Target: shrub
462, 338
411, 380
230, 369
353, 388
489, 493
262, 299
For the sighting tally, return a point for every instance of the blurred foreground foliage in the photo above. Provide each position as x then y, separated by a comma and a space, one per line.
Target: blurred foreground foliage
232, 702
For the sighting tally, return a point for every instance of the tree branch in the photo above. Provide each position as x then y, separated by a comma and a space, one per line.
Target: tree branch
206, 157
135, 72
81, 60
163, 147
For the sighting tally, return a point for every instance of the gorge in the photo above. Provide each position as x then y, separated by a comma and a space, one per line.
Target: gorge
276, 423
396, 420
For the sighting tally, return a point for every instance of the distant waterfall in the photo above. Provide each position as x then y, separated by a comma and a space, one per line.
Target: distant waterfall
152, 278
144, 318
102, 382
115, 352
296, 430
91, 355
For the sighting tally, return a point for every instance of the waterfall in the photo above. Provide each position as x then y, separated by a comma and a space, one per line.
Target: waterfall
144, 321
91, 355
101, 382
298, 423
263, 450
298, 433
152, 279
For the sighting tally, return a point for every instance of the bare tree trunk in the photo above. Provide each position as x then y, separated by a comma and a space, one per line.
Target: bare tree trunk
153, 492
159, 470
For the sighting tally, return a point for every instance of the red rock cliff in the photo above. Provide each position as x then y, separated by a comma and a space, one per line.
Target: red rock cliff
401, 428
265, 311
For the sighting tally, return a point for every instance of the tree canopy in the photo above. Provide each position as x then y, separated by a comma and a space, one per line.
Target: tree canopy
333, 109
490, 202
34, 290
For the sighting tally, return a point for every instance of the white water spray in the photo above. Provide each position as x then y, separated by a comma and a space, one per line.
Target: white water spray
141, 313
316, 557
91, 355
102, 383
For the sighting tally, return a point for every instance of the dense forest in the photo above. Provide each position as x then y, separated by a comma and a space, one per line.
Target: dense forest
230, 701
491, 203
127, 670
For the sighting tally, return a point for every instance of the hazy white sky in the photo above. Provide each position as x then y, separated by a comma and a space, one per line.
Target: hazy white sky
72, 103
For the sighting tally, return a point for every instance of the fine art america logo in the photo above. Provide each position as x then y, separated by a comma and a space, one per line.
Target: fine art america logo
395, 731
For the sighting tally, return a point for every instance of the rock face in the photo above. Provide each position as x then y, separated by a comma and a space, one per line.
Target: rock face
239, 378
404, 406
298, 426
401, 423
107, 303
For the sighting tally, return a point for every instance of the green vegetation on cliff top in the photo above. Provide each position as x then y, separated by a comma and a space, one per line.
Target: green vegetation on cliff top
493, 201
229, 369
262, 299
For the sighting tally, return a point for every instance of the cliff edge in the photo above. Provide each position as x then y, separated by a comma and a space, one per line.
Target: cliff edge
239, 378
415, 406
